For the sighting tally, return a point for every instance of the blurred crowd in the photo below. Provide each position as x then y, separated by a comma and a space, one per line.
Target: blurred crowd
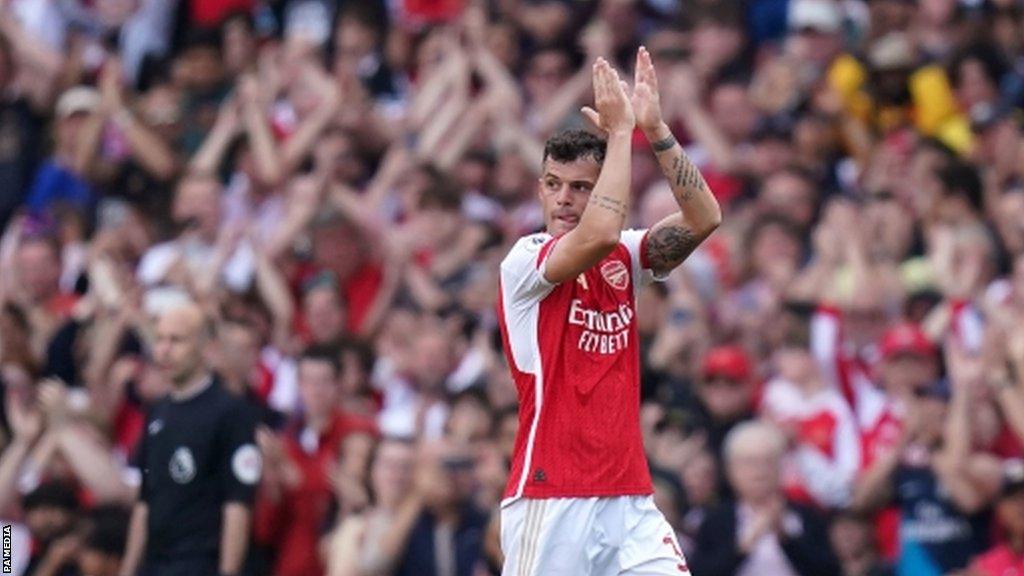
834, 379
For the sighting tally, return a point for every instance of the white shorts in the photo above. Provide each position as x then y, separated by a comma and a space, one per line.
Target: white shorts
618, 536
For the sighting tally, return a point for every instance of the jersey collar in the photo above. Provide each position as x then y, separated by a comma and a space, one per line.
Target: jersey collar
177, 396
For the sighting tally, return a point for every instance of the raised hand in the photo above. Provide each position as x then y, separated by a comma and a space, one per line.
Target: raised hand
966, 370
646, 100
26, 422
53, 399
248, 91
110, 84
614, 113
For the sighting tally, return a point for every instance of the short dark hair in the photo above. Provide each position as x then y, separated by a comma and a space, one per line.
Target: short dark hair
321, 353
443, 191
779, 221
363, 352
571, 145
53, 494
242, 17
986, 54
962, 179
208, 38
935, 145
106, 529
233, 320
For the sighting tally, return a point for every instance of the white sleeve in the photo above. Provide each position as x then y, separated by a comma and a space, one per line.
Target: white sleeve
523, 286
522, 271
634, 241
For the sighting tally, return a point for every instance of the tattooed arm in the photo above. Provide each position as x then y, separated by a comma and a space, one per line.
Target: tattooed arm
671, 240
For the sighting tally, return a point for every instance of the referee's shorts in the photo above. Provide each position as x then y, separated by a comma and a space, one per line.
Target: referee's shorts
187, 566
617, 536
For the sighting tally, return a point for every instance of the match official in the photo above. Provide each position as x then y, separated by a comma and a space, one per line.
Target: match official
200, 465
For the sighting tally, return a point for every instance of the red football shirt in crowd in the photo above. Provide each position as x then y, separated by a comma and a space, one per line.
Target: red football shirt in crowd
292, 524
999, 561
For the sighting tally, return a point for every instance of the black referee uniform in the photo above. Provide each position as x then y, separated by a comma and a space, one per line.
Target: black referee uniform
196, 455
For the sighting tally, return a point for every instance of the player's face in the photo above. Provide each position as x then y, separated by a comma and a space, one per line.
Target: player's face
178, 350
1011, 512
325, 314
318, 385
564, 190
239, 350
754, 473
905, 373
392, 471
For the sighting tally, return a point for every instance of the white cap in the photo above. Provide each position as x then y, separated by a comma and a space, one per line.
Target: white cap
309, 20
77, 99
891, 52
821, 15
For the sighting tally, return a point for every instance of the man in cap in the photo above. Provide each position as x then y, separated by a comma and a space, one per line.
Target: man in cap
60, 178
725, 393
940, 486
818, 25
725, 397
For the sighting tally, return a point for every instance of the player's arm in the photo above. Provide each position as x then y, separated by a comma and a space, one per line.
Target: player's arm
136, 544
602, 221
672, 239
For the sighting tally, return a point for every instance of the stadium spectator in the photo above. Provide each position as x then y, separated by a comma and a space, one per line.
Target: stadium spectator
761, 532
324, 444
852, 538
436, 528
943, 487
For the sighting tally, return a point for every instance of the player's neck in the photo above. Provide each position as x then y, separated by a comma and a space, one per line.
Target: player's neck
318, 422
193, 386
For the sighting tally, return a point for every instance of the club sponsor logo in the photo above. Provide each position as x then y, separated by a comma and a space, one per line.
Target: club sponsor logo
605, 332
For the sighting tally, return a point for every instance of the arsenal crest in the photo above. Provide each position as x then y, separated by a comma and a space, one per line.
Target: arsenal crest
615, 274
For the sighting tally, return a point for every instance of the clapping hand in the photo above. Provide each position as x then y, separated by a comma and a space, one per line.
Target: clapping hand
614, 114
646, 100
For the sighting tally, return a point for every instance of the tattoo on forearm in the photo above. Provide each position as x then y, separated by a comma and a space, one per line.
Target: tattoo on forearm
617, 206
664, 144
668, 246
686, 178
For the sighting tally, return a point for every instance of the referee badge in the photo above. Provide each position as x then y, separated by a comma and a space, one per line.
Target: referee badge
247, 464
183, 466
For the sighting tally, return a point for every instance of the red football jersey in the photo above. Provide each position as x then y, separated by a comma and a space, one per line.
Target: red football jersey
573, 352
